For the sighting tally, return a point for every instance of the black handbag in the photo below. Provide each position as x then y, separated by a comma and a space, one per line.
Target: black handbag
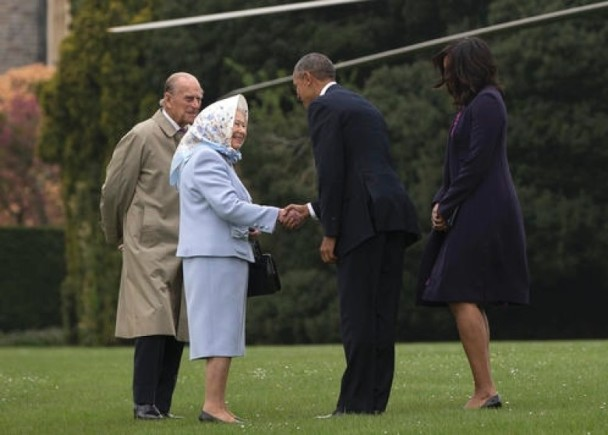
263, 274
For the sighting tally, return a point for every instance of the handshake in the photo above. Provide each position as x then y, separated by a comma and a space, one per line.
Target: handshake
293, 216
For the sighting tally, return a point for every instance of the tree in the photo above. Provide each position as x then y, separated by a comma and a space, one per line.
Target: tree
553, 76
29, 188
92, 99
555, 80
107, 82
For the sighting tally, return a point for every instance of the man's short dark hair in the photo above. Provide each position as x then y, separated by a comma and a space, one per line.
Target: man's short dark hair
317, 64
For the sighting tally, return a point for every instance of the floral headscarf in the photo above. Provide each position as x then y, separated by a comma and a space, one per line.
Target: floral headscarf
213, 128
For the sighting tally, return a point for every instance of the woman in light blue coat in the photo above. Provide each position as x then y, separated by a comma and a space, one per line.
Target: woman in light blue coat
217, 219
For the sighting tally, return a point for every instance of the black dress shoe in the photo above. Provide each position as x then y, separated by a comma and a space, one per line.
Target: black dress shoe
146, 412
492, 402
205, 417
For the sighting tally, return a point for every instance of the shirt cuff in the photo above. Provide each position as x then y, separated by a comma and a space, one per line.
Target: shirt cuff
311, 211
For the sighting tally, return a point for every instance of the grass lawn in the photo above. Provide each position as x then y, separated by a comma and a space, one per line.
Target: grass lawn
553, 387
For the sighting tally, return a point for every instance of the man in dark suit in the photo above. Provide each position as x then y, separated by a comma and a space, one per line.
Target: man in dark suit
368, 220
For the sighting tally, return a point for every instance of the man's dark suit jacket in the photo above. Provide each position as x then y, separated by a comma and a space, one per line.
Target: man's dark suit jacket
359, 191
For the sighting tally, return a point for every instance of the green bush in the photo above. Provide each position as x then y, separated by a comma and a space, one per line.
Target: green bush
32, 268
54, 336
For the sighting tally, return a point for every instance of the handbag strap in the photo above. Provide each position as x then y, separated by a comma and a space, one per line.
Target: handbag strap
257, 248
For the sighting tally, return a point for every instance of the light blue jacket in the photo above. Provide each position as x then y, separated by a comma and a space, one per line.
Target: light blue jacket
216, 210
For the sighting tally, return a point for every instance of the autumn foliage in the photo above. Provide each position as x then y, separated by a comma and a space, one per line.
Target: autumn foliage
29, 188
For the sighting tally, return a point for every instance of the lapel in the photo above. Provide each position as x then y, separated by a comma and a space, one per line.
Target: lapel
167, 128
239, 187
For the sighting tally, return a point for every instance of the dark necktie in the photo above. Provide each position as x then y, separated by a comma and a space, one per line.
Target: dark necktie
180, 133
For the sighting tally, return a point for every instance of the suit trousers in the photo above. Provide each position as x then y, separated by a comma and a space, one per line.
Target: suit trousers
156, 364
370, 279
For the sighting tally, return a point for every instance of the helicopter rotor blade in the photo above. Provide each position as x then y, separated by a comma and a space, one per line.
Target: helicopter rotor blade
523, 22
229, 15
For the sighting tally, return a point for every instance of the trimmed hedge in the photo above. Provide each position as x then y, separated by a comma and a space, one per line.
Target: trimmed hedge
32, 268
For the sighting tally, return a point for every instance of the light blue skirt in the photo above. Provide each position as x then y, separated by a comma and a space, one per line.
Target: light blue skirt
216, 300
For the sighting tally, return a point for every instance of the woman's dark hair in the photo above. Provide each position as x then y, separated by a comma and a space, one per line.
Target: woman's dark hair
466, 67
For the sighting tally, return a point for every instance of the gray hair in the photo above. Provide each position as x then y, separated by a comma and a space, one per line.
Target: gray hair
317, 64
171, 82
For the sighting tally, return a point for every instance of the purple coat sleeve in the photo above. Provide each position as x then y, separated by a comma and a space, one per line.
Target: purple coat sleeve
484, 127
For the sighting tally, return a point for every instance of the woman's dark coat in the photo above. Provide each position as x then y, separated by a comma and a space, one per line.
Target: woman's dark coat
482, 257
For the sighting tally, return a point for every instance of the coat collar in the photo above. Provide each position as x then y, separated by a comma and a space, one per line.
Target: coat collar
326, 88
164, 124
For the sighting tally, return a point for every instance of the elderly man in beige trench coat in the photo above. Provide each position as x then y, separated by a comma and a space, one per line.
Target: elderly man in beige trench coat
140, 214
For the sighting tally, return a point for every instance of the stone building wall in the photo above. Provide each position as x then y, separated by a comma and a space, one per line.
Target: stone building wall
22, 33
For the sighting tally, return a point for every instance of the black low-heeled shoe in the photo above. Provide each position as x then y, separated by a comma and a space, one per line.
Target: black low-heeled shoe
492, 402
205, 417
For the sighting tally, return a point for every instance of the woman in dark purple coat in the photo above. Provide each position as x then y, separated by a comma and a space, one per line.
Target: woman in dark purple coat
476, 253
